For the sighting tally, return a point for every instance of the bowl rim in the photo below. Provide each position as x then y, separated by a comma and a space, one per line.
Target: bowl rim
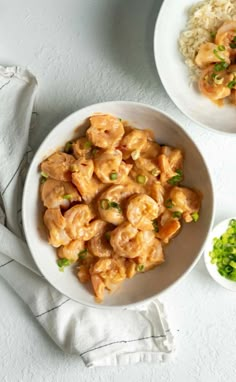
211, 268
168, 89
26, 186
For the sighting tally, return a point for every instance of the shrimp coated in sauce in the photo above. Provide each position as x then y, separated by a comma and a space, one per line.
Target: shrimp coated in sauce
56, 225
141, 211
105, 131
109, 167
57, 166
56, 193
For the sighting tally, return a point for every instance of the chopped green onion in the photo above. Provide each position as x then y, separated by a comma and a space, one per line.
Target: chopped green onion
44, 177
68, 147
177, 214
221, 48
213, 34
82, 254
155, 225
218, 56
176, 178
120, 119
63, 263
141, 179
232, 45
105, 204
87, 145
155, 171
107, 236
231, 84
217, 79
94, 151
220, 66
113, 175
67, 196
169, 203
195, 216
115, 205
140, 268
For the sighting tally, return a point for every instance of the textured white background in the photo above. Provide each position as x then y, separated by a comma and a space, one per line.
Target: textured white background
83, 52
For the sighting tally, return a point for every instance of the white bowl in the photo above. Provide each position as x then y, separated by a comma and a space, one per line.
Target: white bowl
174, 73
217, 231
183, 252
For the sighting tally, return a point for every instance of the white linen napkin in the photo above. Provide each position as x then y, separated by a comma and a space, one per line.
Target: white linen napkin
100, 337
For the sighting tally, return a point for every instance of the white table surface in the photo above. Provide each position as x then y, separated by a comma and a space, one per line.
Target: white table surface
84, 52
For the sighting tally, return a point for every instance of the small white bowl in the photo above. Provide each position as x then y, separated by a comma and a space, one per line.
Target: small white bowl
181, 254
174, 73
217, 231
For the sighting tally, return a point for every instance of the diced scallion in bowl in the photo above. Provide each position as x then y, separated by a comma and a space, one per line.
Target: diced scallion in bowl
223, 253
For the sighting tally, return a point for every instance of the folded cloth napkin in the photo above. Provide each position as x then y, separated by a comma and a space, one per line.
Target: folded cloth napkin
100, 337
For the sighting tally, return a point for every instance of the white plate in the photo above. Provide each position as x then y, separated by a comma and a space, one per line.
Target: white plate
183, 252
174, 73
217, 231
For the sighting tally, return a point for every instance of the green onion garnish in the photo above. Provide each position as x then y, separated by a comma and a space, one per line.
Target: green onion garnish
231, 84
218, 56
155, 171
67, 196
140, 268
176, 178
68, 148
220, 66
120, 119
107, 235
169, 203
105, 204
177, 214
155, 225
221, 48
82, 254
87, 145
141, 179
195, 216
223, 253
63, 263
233, 43
44, 177
115, 205
213, 34
94, 151
113, 175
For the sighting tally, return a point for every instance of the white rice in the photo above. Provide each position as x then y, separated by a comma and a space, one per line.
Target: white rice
204, 18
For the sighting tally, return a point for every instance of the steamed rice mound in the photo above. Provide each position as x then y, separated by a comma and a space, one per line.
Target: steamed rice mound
204, 18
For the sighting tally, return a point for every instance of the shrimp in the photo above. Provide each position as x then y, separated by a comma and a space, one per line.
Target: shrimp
153, 256
99, 245
56, 193
57, 166
151, 150
98, 287
157, 192
112, 269
110, 168
111, 202
208, 53
82, 177
185, 201
214, 86
168, 230
81, 147
175, 157
133, 143
148, 164
141, 211
105, 131
127, 241
76, 218
87, 232
56, 225
71, 250
226, 36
